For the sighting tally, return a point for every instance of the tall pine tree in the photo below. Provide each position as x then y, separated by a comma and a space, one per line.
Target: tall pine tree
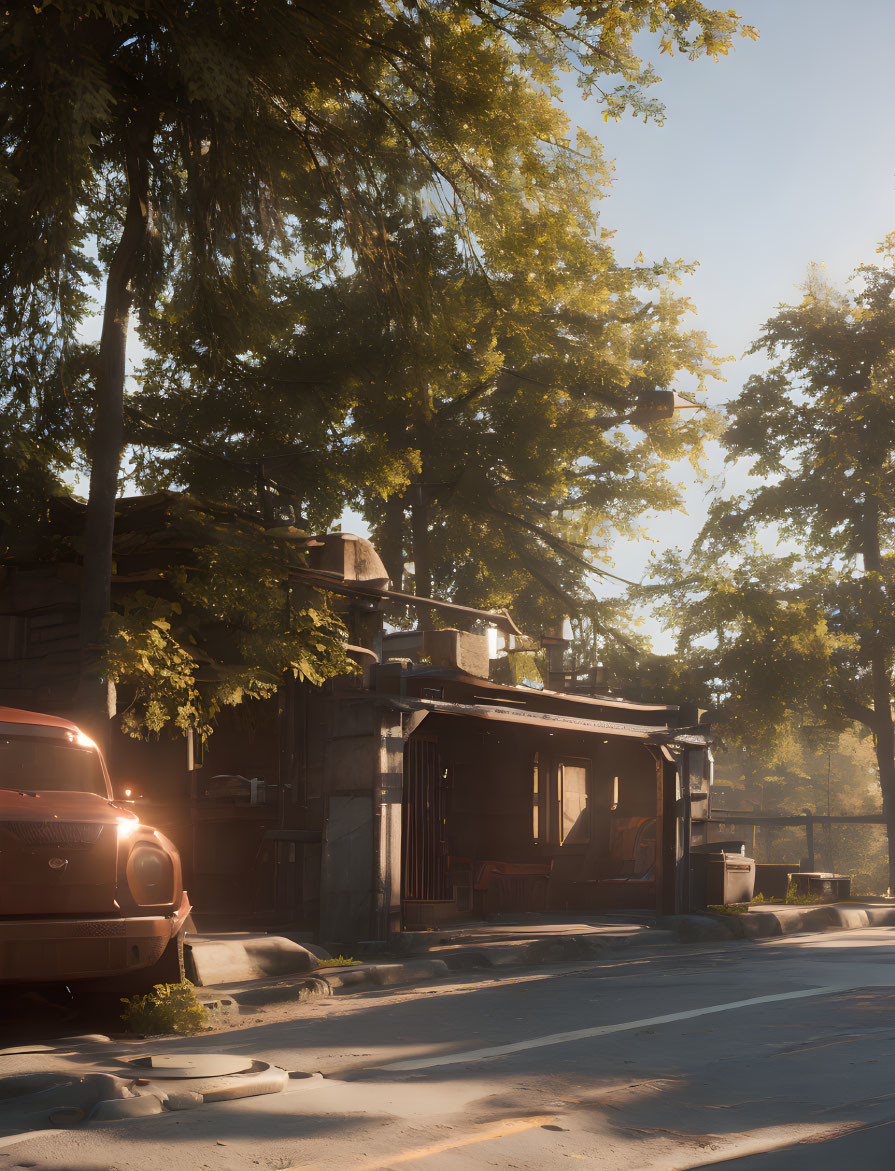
203, 152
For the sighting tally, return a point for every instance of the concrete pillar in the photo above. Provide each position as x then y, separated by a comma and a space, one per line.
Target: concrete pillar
360, 892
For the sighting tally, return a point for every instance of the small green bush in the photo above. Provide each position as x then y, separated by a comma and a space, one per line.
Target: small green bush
338, 962
731, 909
793, 898
168, 1008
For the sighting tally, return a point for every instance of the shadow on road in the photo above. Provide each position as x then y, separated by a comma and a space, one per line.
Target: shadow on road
871, 1147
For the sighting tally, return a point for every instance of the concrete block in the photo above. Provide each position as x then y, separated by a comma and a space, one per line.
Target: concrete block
260, 1079
224, 959
443, 647
117, 1109
458, 648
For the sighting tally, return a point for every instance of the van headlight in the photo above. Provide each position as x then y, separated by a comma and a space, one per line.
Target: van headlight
150, 875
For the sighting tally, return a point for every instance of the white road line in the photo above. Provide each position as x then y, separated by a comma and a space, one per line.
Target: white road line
605, 1030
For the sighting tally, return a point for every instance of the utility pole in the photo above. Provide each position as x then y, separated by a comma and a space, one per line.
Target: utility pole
830, 859
809, 837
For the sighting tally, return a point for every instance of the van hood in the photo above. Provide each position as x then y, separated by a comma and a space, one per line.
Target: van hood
56, 804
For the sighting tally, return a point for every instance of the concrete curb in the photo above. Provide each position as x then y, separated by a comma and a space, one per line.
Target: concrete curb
451, 958
357, 978
445, 958
771, 924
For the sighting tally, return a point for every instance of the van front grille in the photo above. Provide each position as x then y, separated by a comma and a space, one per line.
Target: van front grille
54, 834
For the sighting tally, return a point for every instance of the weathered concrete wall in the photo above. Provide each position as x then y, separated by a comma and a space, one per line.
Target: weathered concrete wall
362, 786
347, 867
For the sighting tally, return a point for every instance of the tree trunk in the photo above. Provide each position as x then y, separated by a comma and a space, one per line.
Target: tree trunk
883, 725
264, 502
95, 695
391, 541
422, 567
885, 759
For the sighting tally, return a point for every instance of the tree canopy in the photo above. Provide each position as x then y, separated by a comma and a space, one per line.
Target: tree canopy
807, 629
219, 165
478, 428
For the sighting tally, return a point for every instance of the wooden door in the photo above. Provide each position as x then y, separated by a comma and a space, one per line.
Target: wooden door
574, 807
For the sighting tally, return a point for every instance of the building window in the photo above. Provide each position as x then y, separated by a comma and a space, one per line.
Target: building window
574, 820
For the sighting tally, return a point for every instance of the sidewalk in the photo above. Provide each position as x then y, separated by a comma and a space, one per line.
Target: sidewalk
418, 956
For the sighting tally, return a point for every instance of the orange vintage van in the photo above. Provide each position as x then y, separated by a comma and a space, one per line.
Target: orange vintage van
86, 890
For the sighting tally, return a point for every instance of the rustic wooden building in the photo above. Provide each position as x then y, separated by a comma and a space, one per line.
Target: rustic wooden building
446, 797
415, 792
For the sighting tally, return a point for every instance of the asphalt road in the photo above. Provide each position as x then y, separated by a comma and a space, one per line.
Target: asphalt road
754, 1056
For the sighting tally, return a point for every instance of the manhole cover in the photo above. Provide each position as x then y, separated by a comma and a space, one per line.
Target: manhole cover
171, 1065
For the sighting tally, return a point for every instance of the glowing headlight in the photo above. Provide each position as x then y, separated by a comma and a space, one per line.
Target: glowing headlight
127, 827
150, 875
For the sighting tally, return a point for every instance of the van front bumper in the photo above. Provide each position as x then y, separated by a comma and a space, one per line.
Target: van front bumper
50, 950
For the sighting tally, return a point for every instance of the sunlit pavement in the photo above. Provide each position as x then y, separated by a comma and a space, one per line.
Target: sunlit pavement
745, 1055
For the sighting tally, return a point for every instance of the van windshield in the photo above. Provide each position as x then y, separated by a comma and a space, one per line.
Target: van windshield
33, 764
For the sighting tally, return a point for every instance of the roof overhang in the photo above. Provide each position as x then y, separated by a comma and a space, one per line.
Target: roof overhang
550, 721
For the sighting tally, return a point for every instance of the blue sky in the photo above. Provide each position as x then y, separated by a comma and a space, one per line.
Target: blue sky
777, 156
